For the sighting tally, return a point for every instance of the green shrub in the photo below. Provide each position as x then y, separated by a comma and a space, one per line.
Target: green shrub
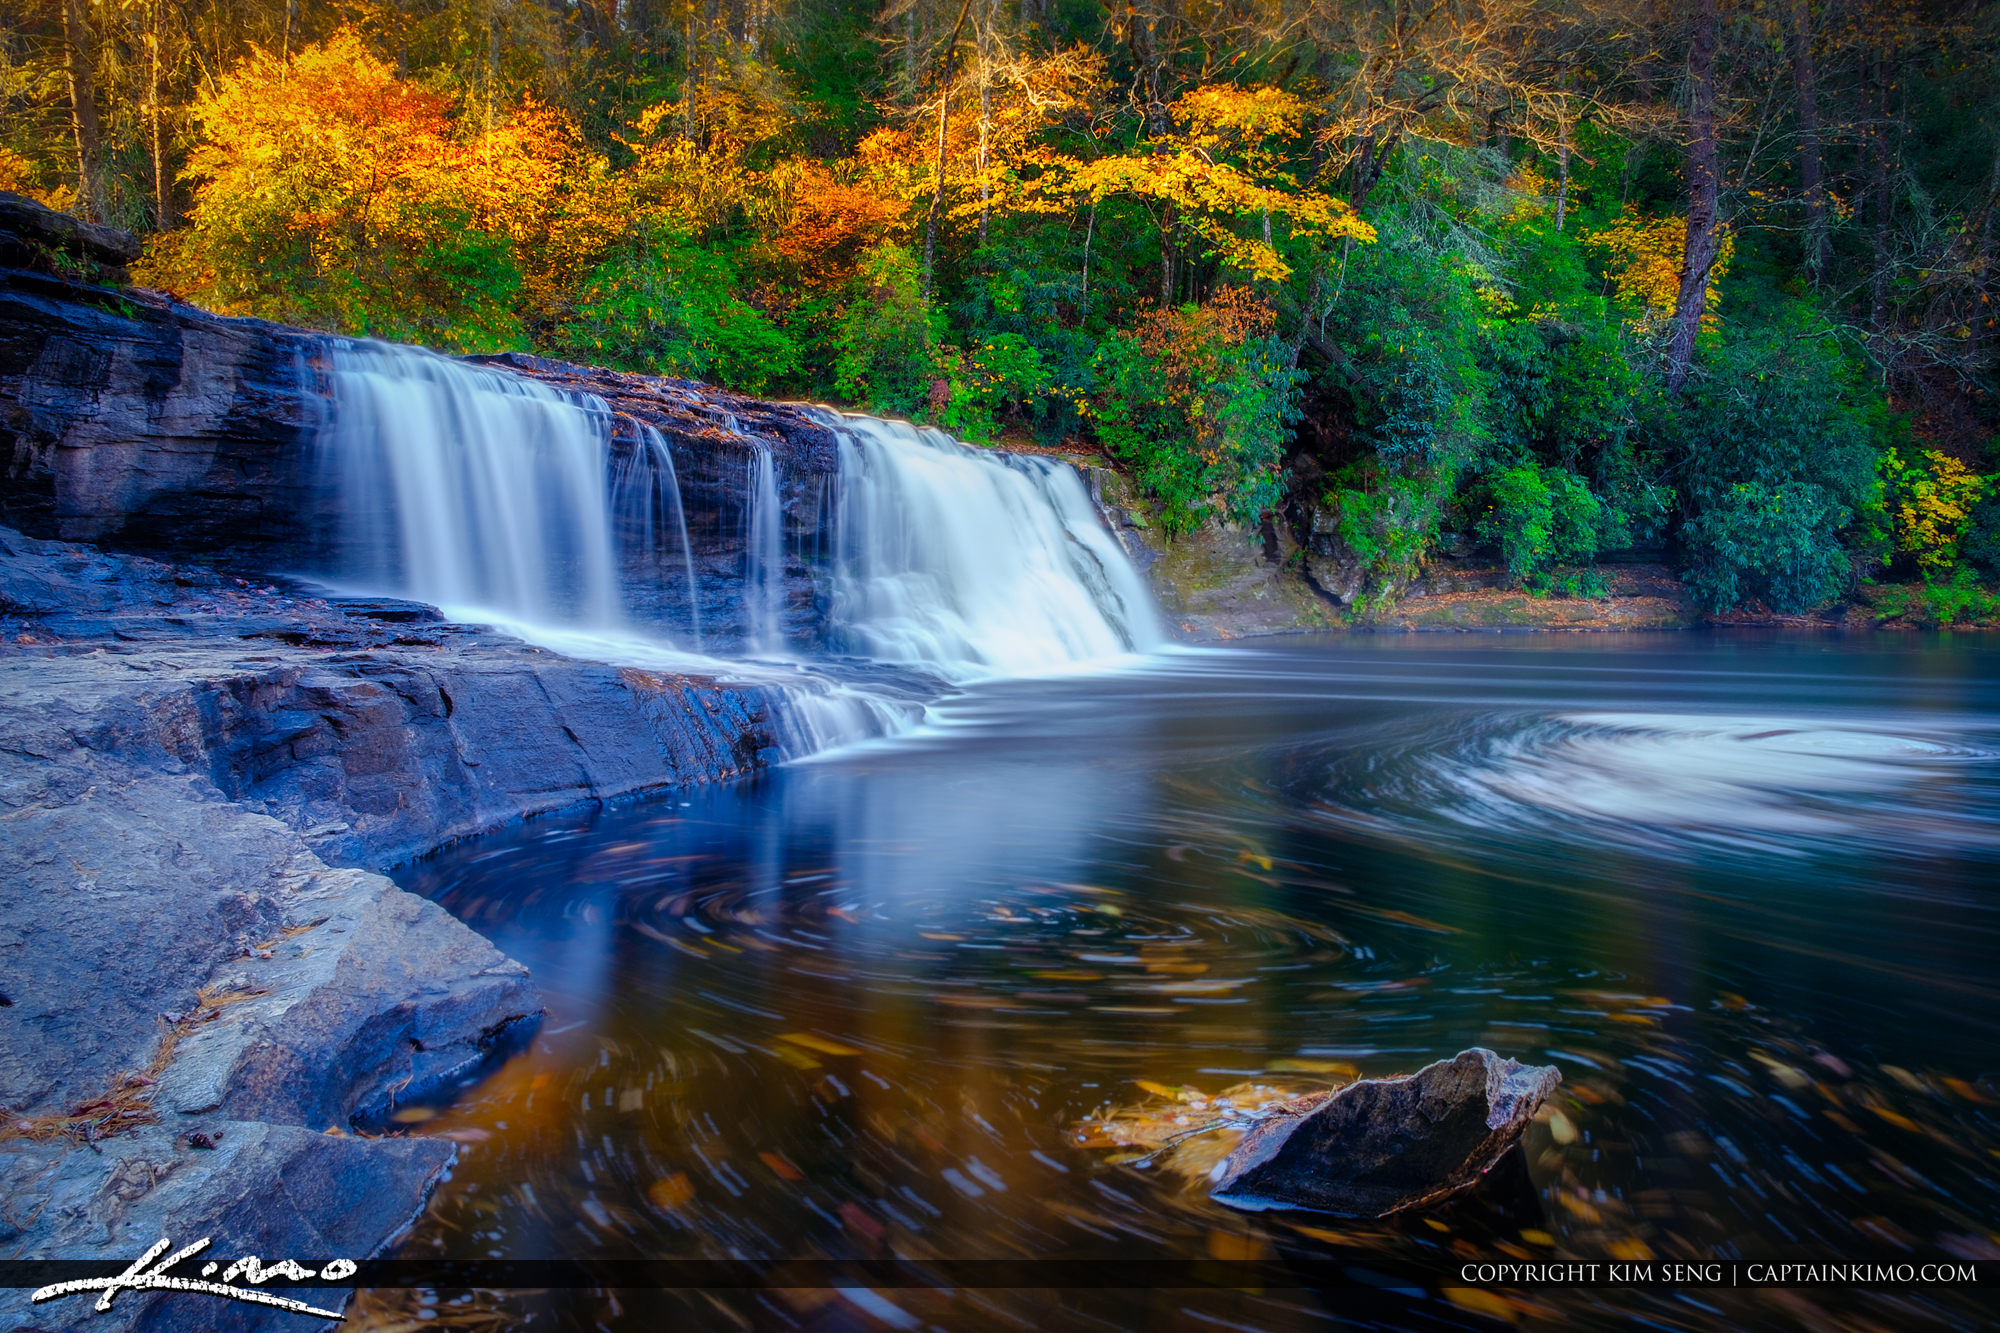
885, 352
1778, 543
1542, 518
1980, 545
1386, 521
1776, 449
1940, 602
1200, 401
671, 309
998, 376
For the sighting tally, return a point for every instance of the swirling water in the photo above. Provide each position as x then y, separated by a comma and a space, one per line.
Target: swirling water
1738, 888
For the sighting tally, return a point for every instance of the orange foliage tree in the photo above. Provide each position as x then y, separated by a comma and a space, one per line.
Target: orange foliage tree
331, 193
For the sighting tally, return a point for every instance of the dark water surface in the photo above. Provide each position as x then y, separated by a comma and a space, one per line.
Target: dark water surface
1740, 889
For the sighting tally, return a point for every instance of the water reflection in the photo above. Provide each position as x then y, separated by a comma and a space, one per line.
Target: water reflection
887, 1002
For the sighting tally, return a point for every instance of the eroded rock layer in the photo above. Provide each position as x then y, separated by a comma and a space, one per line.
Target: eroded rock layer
199, 777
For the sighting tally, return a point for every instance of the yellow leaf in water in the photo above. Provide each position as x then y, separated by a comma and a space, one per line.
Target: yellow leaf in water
414, 1115
1534, 1237
1632, 1249
1236, 1246
1258, 859
1158, 1089
1320, 1233
1582, 1209
1561, 1128
671, 1191
1405, 919
1906, 1078
1436, 1225
1293, 1066
1480, 1302
820, 1044
1967, 1091
1898, 1120
785, 1170
796, 1059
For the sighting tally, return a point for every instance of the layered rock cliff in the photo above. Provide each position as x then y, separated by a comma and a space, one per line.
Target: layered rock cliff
199, 778
140, 423
207, 984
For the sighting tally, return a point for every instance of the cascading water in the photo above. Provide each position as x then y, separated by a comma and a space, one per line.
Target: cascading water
975, 563
644, 490
497, 497
472, 488
763, 556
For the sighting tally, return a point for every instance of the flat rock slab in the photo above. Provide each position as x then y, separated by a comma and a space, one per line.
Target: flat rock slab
1382, 1145
275, 1191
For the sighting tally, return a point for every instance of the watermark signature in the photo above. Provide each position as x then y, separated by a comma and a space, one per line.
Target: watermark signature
145, 1275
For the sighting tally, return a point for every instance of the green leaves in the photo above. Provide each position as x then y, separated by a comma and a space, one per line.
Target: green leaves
1542, 518
672, 309
1200, 402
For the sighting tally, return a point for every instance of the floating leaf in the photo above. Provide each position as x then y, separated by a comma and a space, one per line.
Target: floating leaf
1481, 1302
1292, 1065
784, 1169
820, 1044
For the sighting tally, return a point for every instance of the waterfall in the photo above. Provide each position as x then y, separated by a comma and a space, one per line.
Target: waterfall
470, 487
652, 462
763, 555
972, 562
485, 491
504, 500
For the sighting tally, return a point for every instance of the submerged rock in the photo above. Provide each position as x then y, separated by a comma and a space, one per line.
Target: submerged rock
1381, 1145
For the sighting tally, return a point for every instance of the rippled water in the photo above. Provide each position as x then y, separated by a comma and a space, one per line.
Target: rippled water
1740, 889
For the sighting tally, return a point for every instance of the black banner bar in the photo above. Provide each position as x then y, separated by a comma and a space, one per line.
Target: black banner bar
1083, 1273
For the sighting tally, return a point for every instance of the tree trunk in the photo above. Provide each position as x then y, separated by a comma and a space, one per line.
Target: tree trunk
1812, 169
163, 201
985, 39
80, 46
492, 61
1704, 239
1984, 266
690, 79
1881, 202
944, 113
1562, 168
1149, 34
1090, 234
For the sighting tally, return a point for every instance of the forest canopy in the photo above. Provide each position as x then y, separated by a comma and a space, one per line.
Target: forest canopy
1708, 279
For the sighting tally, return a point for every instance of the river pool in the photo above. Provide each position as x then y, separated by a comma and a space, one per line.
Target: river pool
922, 997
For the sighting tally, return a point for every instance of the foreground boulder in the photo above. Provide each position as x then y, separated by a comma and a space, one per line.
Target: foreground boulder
1382, 1145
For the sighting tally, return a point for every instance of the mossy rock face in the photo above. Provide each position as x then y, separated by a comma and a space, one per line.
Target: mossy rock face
1213, 583
1216, 583
1495, 609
